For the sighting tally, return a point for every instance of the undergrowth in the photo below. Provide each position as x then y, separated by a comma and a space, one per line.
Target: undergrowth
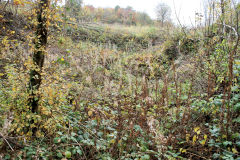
139, 100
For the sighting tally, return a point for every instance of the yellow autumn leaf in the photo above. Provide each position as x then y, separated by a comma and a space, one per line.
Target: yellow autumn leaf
50, 102
183, 150
205, 136
187, 137
234, 151
203, 142
224, 136
194, 139
38, 134
45, 111
18, 2
5, 40
112, 141
90, 113
74, 102
197, 130
45, 126
69, 85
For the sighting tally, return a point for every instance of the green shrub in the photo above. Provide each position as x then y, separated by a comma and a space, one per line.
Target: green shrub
170, 49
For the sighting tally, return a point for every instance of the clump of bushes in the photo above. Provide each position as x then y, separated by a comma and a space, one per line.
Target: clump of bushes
123, 41
170, 49
188, 45
180, 44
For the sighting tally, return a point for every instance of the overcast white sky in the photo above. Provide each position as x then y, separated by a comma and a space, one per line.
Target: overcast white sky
186, 8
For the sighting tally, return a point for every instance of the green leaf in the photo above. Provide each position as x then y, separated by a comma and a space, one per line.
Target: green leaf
235, 88
226, 143
237, 107
30, 153
237, 120
236, 136
59, 155
60, 133
100, 134
74, 151
145, 157
238, 143
68, 154
7, 156
137, 128
79, 152
215, 131
216, 156
184, 97
56, 140
73, 134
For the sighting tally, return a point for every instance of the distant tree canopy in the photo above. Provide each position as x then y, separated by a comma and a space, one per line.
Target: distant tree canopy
74, 8
163, 12
117, 8
88, 13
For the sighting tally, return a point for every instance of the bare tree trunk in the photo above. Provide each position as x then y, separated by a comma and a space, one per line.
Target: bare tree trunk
38, 55
223, 16
5, 5
230, 74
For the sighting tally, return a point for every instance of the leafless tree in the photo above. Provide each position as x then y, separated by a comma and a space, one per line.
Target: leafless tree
163, 12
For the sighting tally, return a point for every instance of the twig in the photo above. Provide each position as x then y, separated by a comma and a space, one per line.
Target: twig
1, 136
177, 16
196, 155
225, 25
5, 5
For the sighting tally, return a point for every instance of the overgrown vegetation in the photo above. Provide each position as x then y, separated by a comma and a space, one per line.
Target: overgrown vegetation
109, 93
